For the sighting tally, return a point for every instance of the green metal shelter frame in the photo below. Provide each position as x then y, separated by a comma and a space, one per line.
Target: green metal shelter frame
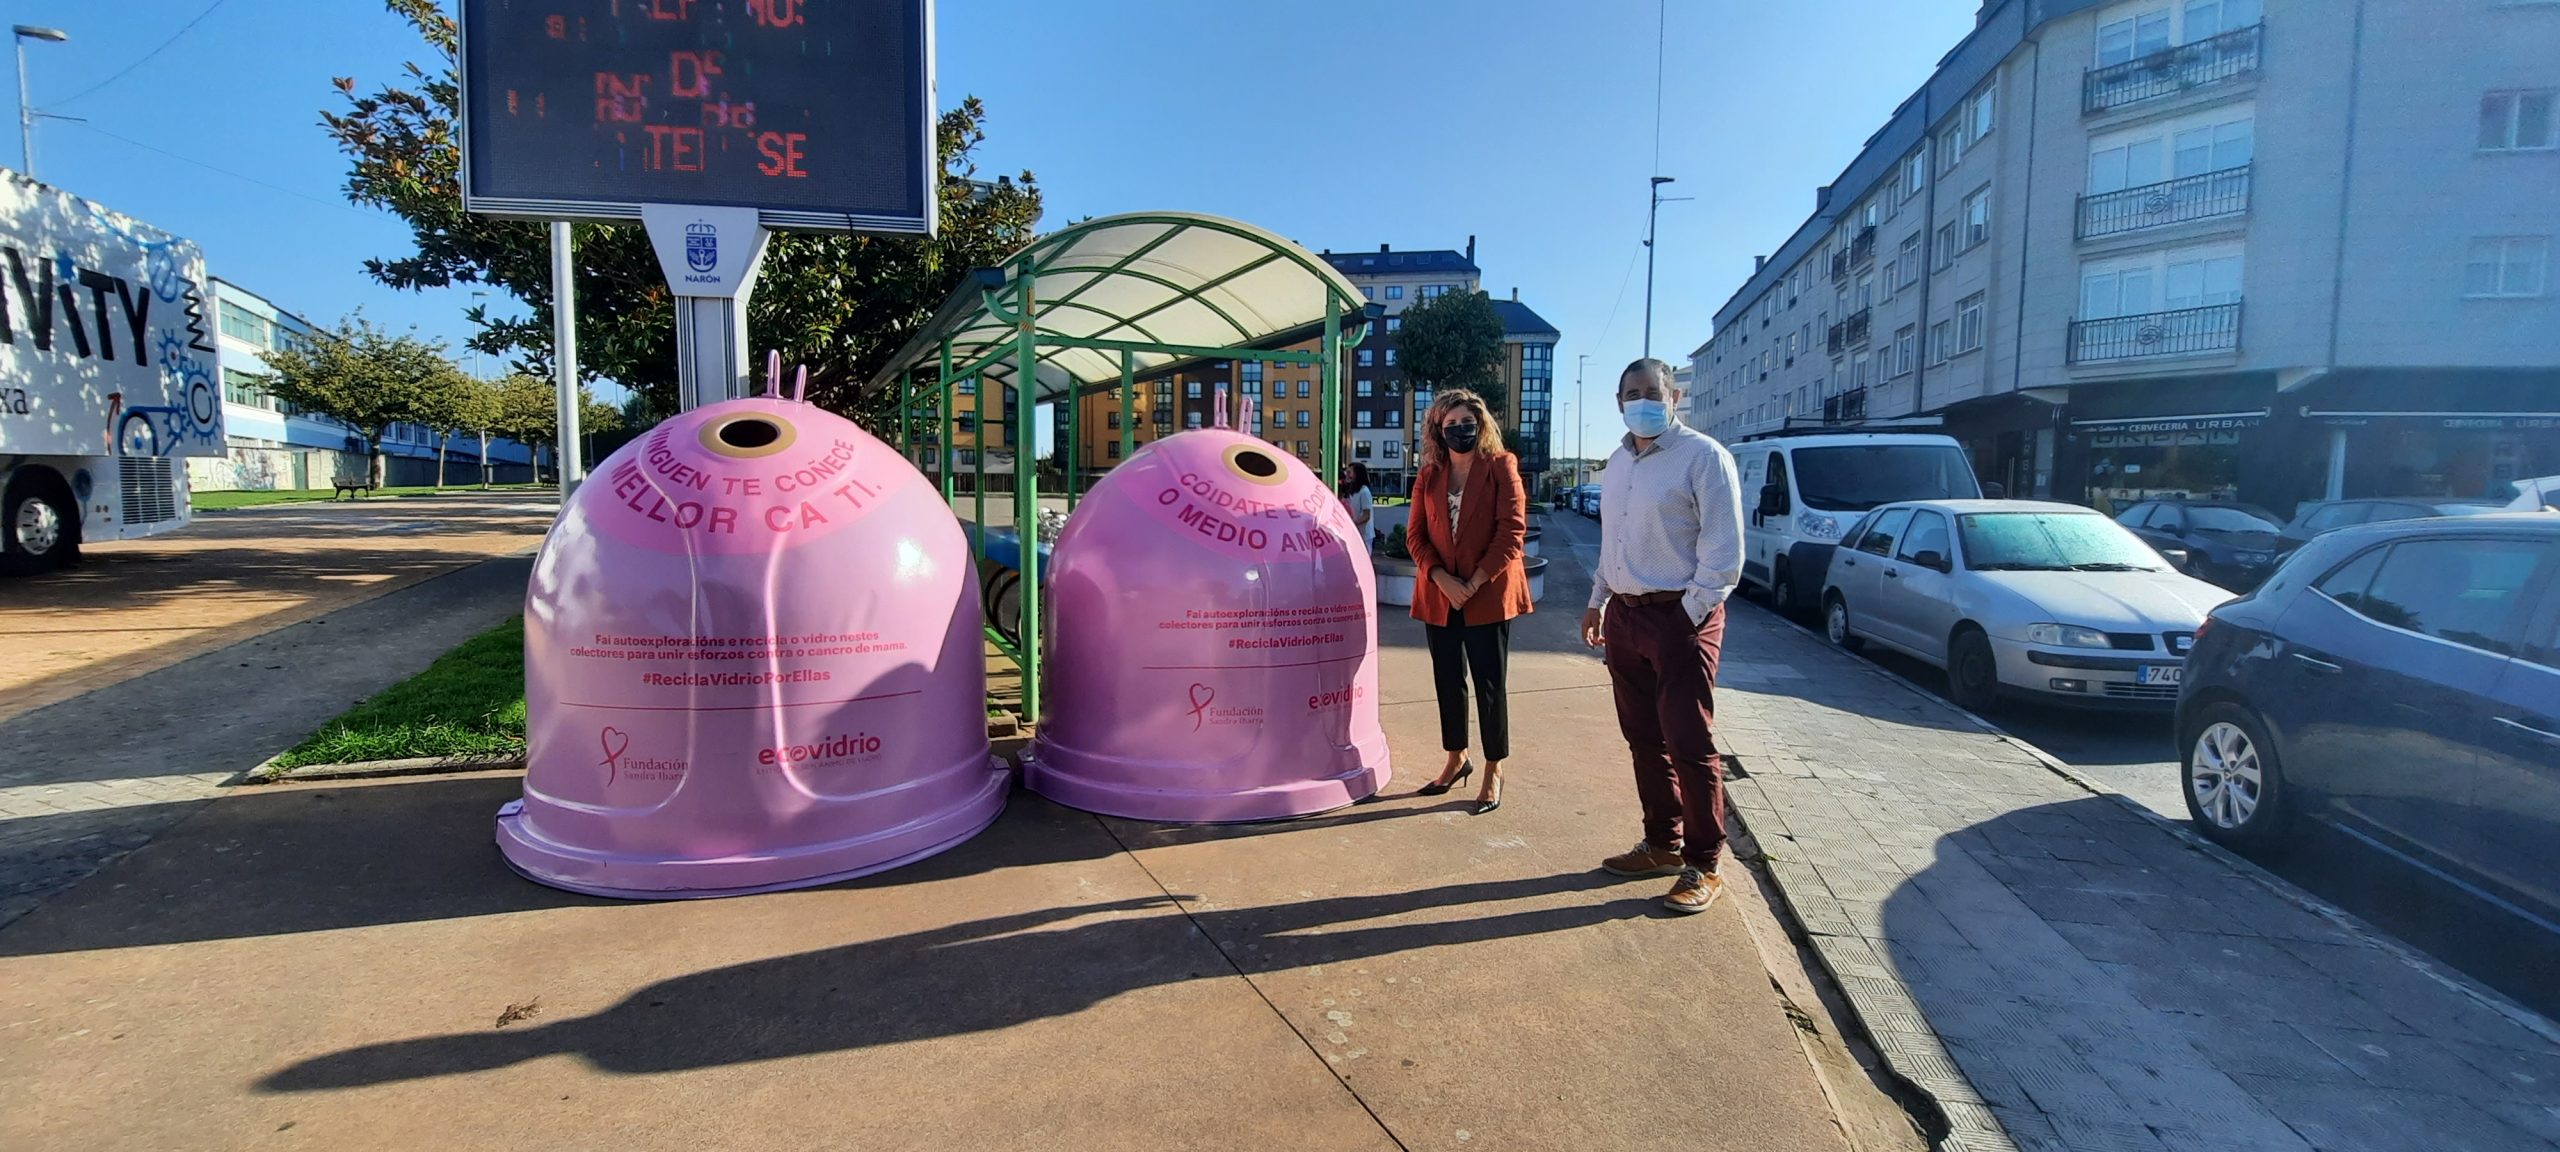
1092, 308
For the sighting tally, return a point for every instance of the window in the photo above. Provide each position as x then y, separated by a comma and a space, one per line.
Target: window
1434, 291
1394, 292
242, 324
2132, 517
1906, 349
1395, 417
1305, 388
1940, 334
2209, 18
2517, 121
1882, 535
1982, 117
1363, 387
1862, 371
1394, 448
1112, 420
2122, 162
2139, 35
1367, 293
1303, 417
2141, 286
1792, 348
2463, 591
1302, 448
1950, 149
2201, 283
2512, 266
1866, 292
1907, 269
1915, 172
1360, 450
1391, 357
1362, 418
1969, 324
1395, 323
1111, 448
968, 386
1928, 533
1192, 389
1977, 217
1368, 356
1947, 237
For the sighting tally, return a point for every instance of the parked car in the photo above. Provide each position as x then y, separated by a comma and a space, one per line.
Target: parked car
2329, 515
2536, 494
2401, 681
2230, 544
2025, 598
1586, 500
1802, 491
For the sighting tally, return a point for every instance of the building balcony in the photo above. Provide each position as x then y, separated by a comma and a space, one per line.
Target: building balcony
2185, 332
1849, 333
1849, 407
2171, 71
2205, 196
1862, 248
1839, 267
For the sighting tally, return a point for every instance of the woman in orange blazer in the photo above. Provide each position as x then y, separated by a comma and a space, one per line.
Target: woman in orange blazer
1469, 522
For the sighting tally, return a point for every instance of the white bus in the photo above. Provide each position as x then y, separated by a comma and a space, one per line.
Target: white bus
109, 375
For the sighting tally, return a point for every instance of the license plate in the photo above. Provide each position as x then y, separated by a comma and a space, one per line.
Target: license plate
2156, 674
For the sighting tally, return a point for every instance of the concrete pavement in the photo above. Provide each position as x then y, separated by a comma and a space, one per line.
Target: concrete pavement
350, 966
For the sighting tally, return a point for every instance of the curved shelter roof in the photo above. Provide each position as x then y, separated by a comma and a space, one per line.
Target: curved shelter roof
1163, 287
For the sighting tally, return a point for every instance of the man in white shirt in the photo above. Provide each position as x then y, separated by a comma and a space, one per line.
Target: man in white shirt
1670, 552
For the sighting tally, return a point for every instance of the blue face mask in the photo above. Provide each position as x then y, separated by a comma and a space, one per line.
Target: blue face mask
1647, 418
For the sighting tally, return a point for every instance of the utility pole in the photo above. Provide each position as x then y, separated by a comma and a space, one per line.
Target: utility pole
1651, 212
26, 111
1582, 397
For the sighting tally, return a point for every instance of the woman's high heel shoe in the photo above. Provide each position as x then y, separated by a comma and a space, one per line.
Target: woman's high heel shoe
1442, 787
1491, 797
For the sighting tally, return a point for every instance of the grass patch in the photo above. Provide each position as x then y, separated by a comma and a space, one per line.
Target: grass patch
218, 501
469, 702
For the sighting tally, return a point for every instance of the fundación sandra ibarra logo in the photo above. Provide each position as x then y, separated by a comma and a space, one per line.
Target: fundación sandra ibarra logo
1206, 713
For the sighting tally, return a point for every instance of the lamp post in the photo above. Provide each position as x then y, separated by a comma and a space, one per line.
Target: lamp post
1580, 461
26, 113
1651, 212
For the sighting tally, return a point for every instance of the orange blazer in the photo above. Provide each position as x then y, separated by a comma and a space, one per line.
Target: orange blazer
1492, 528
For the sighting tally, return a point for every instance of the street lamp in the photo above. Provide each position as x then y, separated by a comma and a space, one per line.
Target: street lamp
1580, 461
1651, 212
27, 114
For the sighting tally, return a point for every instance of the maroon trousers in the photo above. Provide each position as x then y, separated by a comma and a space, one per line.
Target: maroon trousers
1662, 669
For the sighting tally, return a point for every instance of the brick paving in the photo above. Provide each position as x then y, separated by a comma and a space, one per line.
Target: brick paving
2062, 970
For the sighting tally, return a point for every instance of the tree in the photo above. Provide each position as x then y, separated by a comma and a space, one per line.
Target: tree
1455, 341
464, 406
529, 412
841, 304
366, 379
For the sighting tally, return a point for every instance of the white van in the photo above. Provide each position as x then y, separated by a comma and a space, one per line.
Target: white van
1801, 491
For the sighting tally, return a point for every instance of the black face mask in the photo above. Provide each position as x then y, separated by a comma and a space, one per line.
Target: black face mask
1461, 439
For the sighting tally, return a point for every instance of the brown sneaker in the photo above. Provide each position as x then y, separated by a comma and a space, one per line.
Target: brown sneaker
1643, 860
1695, 891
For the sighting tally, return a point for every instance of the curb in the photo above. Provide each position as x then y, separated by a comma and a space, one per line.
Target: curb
268, 773
2277, 886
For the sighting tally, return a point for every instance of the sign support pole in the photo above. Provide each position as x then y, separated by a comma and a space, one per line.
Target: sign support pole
564, 358
711, 257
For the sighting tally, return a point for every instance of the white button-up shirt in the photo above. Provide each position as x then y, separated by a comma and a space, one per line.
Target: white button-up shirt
1670, 521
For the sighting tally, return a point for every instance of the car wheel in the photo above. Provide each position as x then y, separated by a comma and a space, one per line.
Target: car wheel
2233, 785
1973, 674
1782, 589
39, 529
1835, 624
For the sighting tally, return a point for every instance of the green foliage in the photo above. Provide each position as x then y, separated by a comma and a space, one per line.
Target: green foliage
1396, 547
469, 702
1455, 341
840, 304
368, 379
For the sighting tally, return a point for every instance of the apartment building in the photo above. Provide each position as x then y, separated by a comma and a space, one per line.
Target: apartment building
271, 444
2275, 250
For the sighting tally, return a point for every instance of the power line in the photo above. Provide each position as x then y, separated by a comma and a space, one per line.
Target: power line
210, 168
127, 70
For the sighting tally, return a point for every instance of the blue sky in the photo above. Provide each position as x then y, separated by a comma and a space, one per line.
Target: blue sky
1529, 125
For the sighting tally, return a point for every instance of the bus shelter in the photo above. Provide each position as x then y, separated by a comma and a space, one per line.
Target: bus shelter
1089, 310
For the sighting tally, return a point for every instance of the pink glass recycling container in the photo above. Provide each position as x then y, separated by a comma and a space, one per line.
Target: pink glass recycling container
1212, 642
753, 661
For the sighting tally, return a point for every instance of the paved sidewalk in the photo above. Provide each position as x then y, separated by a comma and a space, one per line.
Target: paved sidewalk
96, 776
2062, 970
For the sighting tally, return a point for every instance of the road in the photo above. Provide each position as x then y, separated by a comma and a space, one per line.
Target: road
2137, 755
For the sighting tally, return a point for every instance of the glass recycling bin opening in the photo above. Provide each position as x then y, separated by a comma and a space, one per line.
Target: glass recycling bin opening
1212, 642
753, 661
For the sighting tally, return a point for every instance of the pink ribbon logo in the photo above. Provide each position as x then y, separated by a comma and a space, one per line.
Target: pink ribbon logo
1201, 695
615, 741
